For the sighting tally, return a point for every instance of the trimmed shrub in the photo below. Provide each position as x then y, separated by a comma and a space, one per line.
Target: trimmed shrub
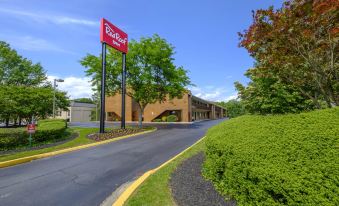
164, 118
157, 120
47, 131
172, 118
276, 160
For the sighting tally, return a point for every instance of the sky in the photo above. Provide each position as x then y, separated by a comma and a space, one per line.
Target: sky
58, 34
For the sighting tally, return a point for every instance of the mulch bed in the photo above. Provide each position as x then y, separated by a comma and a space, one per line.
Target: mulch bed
190, 188
42, 146
114, 134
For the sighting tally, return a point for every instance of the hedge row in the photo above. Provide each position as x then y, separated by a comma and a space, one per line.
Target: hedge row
46, 131
276, 160
169, 118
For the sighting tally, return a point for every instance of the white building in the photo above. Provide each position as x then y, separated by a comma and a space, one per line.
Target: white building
77, 112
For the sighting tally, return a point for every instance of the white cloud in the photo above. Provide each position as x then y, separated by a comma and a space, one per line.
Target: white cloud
231, 97
212, 93
68, 20
76, 87
30, 43
56, 19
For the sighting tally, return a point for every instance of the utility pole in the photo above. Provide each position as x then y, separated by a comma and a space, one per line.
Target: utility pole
54, 91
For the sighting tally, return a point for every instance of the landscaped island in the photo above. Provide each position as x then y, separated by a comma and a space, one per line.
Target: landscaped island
48, 131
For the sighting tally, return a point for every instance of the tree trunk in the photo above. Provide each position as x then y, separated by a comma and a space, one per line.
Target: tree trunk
314, 99
141, 112
20, 121
336, 101
7, 122
328, 102
333, 97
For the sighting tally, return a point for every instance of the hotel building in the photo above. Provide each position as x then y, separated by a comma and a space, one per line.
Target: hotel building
187, 109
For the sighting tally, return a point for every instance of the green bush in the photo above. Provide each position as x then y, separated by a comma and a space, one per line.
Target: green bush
46, 131
172, 118
276, 160
164, 118
234, 108
157, 120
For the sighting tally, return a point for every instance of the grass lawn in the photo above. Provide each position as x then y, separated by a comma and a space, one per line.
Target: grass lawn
80, 140
155, 190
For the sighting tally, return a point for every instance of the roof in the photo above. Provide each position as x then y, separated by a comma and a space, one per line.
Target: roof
207, 101
202, 100
80, 104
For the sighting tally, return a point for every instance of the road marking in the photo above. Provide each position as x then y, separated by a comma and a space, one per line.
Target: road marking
128, 192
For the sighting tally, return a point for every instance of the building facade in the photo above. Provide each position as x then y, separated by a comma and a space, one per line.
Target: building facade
77, 112
187, 109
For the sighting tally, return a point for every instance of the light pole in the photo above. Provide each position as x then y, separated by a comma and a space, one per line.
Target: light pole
54, 88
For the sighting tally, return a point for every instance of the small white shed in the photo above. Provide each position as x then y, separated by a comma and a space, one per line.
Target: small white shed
78, 112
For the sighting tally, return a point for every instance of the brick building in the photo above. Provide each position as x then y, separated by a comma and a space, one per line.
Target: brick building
188, 108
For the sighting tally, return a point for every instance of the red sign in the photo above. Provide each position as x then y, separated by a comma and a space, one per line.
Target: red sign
113, 36
31, 128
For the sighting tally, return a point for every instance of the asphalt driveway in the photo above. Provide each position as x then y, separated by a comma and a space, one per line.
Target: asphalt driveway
88, 176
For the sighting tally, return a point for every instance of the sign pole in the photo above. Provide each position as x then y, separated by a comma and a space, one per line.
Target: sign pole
30, 139
123, 93
117, 39
30, 130
103, 83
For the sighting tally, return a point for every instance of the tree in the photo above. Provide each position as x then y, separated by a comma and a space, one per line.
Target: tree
233, 107
19, 71
84, 100
24, 91
96, 100
299, 45
265, 94
21, 102
151, 74
8, 104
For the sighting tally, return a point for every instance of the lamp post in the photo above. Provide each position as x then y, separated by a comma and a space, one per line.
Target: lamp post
54, 88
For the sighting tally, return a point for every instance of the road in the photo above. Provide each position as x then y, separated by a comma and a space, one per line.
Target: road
88, 176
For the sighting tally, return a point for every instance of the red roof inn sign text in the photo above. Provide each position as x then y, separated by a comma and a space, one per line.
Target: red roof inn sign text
113, 36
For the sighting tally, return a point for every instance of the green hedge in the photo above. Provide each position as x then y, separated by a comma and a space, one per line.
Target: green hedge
46, 131
169, 118
276, 160
172, 118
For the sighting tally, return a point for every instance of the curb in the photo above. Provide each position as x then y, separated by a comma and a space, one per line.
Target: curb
129, 191
62, 151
